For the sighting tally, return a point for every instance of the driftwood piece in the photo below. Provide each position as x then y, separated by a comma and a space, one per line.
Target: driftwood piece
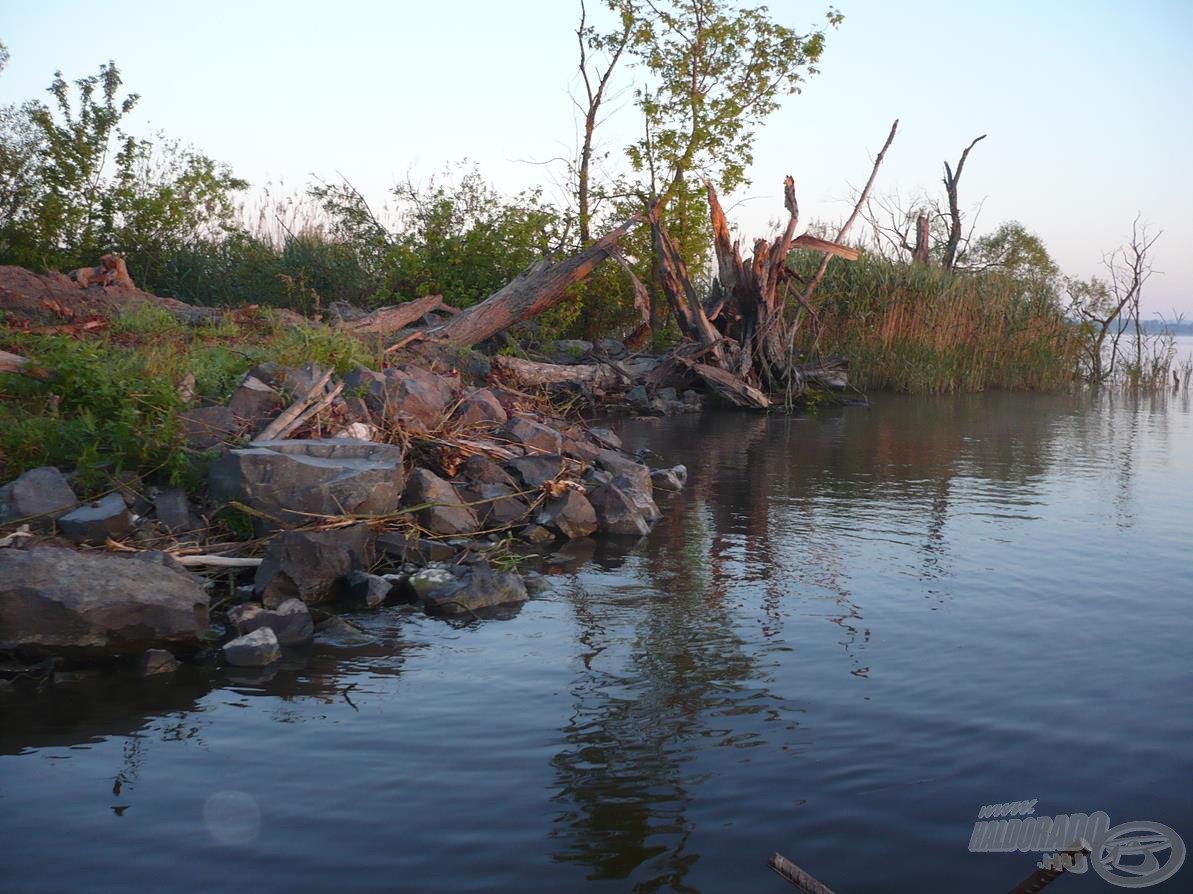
310, 413
292, 412
733, 388
798, 877
218, 561
387, 320
531, 293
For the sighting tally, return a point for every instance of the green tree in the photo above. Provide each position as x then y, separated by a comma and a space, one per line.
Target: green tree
1012, 249
75, 186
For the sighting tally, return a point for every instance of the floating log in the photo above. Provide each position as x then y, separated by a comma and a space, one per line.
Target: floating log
531, 293
798, 877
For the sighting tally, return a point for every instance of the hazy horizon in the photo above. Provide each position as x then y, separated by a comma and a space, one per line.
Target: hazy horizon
1079, 102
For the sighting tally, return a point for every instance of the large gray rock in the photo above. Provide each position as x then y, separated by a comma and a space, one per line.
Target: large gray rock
59, 601
309, 565
40, 494
478, 588
256, 649
290, 622
157, 661
325, 477
97, 521
570, 514
534, 436
443, 511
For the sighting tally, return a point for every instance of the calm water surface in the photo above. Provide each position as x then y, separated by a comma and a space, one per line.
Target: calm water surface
848, 634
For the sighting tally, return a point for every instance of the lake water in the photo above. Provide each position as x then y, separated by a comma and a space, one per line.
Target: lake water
847, 635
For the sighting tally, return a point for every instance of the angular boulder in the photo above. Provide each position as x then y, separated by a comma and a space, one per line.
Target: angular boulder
534, 436
443, 511
284, 479
256, 649
365, 590
616, 513
480, 407
58, 601
97, 521
414, 397
309, 565
570, 515
208, 427
535, 470
40, 494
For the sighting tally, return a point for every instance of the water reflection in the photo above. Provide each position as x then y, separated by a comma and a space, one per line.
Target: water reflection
800, 652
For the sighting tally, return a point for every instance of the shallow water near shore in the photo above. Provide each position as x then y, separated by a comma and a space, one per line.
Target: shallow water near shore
848, 634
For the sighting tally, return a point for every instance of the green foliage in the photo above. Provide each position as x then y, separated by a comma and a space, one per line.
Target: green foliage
112, 402
74, 186
716, 71
1013, 250
456, 238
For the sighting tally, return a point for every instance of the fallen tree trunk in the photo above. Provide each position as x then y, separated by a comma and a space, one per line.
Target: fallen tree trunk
13, 363
530, 294
387, 320
603, 376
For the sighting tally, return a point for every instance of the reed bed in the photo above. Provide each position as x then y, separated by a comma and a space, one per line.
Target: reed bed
920, 329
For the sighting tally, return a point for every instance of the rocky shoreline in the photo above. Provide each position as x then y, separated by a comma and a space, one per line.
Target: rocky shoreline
403, 487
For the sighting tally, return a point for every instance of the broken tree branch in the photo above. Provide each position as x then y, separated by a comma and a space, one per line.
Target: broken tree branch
530, 294
293, 412
387, 320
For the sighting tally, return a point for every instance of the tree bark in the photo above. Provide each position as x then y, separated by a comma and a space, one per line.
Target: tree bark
387, 320
530, 294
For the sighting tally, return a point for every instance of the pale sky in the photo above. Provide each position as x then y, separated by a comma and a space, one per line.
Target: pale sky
1086, 104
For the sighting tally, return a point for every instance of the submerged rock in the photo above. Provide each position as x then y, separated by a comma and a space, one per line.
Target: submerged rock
616, 512
325, 477
672, 479
40, 494
59, 601
479, 588
367, 590
255, 649
157, 661
290, 621
337, 633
